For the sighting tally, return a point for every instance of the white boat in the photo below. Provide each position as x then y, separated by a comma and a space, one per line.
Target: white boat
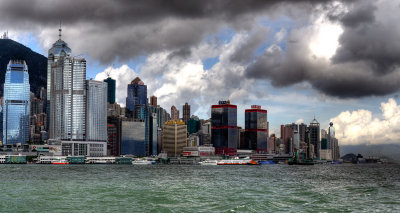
208, 162
142, 162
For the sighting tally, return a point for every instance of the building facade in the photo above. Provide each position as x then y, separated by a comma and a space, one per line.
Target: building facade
96, 110
110, 90
68, 99
224, 133
153, 101
136, 101
256, 129
174, 113
186, 112
133, 138
315, 139
16, 103
174, 137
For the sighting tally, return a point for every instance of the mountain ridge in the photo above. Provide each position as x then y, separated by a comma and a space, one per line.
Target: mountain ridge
37, 64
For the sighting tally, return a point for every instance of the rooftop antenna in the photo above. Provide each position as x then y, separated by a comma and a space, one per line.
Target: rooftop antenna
59, 31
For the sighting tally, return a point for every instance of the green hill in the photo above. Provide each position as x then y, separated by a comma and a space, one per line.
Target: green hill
37, 64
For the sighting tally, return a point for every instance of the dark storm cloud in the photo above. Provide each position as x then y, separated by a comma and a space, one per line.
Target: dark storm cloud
124, 29
365, 64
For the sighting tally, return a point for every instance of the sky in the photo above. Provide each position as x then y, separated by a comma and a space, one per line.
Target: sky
333, 60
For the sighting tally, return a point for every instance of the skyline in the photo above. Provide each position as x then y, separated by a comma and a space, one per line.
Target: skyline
257, 37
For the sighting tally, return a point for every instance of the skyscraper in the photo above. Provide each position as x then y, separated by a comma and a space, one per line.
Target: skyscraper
136, 100
153, 101
174, 113
186, 112
96, 110
68, 99
16, 103
256, 132
174, 137
224, 133
133, 138
110, 90
59, 50
315, 140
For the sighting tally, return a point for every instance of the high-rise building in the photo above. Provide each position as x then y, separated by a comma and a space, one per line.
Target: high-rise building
153, 101
110, 90
315, 140
333, 144
174, 113
68, 99
186, 112
136, 101
133, 137
59, 50
224, 133
174, 137
256, 129
114, 124
16, 104
153, 127
96, 110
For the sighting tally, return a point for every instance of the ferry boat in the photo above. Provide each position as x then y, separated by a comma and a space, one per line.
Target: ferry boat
209, 162
234, 162
60, 162
143, 162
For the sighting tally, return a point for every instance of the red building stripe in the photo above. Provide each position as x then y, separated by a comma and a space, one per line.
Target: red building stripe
256, 110
224, 106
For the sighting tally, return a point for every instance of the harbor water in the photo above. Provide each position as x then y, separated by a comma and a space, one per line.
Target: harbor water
195, 188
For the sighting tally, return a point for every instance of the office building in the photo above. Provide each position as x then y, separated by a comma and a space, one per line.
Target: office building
153, 127
186, 112
315, 140
224, 133
96, 110
174, 137
114, 124
16, 105
133, 137
174, 113
153, 101
59, 50
256, 129
136, 101
68, 99
110, 90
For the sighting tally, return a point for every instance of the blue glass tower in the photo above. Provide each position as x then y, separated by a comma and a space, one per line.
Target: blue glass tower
16, 103
136, 102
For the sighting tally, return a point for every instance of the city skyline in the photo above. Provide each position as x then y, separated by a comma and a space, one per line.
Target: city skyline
241, 58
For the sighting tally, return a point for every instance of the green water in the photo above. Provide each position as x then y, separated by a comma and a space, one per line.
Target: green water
174, 188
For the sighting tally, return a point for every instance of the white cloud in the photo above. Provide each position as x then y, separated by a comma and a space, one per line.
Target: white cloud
361, 127
123, 76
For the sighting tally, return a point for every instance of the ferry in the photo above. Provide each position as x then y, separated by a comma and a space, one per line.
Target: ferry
60, 162
234, 162
209, 162
143, 162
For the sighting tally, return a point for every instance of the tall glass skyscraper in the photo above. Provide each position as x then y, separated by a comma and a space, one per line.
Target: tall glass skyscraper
315, 140
137, 99
16, 103
96, 124
224, 132
59, 50
68, 99
256, 132
110, 90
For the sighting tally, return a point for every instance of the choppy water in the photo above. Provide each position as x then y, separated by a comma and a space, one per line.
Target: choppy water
174, 188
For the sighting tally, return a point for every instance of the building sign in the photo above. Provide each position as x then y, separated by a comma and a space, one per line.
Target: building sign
255, 106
